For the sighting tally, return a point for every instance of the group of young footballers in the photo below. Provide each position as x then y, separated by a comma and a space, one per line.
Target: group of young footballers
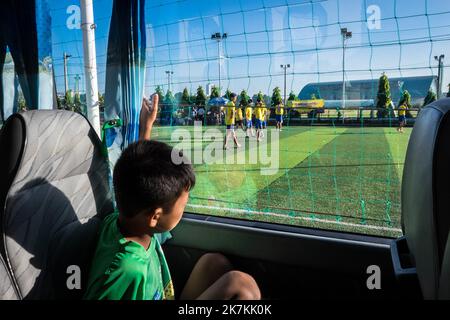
234, 118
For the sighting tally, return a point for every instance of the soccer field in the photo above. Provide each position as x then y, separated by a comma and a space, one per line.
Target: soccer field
345, 179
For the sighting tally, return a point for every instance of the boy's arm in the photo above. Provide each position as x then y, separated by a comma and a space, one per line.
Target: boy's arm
122, 281
147, 117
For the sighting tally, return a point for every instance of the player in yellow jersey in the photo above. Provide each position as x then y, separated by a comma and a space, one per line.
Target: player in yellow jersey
239, 117
402, 117
248, 119
265, 116
230, 118
279, 111
259, 115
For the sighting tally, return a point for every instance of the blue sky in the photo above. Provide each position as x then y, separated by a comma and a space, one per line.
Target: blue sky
262, 35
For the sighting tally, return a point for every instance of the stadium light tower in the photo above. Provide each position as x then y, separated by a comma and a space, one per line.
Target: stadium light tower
66, 79
218, 37
169, 73
77, 83
440, 61
285, 67
345, 36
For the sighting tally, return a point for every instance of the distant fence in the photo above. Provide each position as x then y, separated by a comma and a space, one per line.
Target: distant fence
185, 115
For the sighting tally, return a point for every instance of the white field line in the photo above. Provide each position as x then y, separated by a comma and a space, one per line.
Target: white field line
324, 221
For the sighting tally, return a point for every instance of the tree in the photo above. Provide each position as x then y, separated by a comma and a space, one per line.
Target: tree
227, 94
292, 96
186, 97
405, 99
101, 101
178, 96
167, 108
68, 100
200, 99
260, 96
383, 96
215, 93
185, 102
243, 98
77, 105
293, 112
22, 105
160, 93
276, 97
430, 98
169, 99
267, 99
59, 102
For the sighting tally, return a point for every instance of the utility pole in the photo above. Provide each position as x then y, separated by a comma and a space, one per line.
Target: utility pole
90, 63
218, 37
169, 73
285, 67
66, 79
440, 61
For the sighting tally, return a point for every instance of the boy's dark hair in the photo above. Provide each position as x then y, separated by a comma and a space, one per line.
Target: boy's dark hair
233, 95
146, 178
250, 101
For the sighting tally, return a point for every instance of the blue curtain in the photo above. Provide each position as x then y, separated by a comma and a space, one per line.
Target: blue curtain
25, 55
125, 77
125, 73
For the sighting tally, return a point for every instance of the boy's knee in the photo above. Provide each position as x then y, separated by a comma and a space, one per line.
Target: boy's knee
244, 284
216, 261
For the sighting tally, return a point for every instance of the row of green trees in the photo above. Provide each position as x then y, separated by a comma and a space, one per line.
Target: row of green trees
75, 102
200, 98
384, 99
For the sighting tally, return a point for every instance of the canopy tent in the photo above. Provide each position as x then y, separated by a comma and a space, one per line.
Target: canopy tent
218, 102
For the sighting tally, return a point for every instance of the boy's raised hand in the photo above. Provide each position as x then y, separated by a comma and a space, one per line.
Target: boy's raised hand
147, 117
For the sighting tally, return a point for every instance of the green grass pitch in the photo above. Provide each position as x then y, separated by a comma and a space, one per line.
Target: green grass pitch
344, 179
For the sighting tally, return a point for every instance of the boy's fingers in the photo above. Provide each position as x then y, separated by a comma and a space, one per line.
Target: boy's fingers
145, 106
155, 102
155, 99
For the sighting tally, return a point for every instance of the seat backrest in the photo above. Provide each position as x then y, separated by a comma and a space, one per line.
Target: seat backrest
54, 191
426, 197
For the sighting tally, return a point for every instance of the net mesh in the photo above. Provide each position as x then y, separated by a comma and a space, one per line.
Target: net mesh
340, 167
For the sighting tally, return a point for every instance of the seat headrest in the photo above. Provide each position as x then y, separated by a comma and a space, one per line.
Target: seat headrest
426, 194
55, 194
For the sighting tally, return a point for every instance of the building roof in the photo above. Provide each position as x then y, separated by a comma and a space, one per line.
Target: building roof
418, 87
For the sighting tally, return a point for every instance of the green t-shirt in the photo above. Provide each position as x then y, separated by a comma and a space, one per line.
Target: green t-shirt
124, 270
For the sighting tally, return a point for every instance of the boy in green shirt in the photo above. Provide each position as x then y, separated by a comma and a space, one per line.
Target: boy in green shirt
152, 189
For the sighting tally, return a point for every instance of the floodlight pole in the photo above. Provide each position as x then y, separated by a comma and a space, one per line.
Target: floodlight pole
90, 63
345, 36
218, 37
440, 61
77, 83
169, 73
285, 67
66, 79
